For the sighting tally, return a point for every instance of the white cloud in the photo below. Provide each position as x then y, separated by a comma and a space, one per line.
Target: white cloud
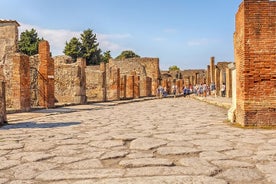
58, 37
200, 42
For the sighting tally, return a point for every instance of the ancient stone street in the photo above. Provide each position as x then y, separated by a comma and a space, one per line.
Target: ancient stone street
172, 140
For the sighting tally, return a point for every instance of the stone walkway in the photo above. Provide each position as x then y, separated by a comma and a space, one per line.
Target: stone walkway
169, 140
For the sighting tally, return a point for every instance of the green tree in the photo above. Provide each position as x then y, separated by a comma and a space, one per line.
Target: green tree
106, 56
174, 68
85, 47
28, 42
73, 48
127, 54
89, 48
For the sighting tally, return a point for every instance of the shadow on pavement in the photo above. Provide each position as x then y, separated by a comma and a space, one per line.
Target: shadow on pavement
38, 125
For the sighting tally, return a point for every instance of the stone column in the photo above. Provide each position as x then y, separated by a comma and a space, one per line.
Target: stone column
46, 83
130, 87
104, 86
228, 82
232, 110
217, 81
114, 87
3, 114
80, 96
21, 82
123, 86
136, 88
148, 86
208, 79
212, 69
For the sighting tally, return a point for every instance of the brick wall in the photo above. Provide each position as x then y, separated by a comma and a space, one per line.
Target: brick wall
255, 48
8, 37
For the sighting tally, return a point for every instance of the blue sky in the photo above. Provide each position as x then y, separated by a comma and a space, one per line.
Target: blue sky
185, 33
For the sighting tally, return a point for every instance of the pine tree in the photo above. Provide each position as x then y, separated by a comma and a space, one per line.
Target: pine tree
28, 42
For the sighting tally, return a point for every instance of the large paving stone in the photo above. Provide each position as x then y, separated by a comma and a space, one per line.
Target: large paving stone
38, 146
269, 170
84, 164
177, 151
106, 143
31, 170
143, 162
197, 166
232, 163
10, 145
157, 180
114, 154
146, 143
6, 164
241, 175
55, 175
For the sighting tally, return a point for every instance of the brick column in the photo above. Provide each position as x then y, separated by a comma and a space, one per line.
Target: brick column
130, 87
104, 87
228, 82
46, 85
148, 86
3, 114
123, 87
80, 96
114, 87
208, 75
136, 86
212, 69
217, 81
21, 83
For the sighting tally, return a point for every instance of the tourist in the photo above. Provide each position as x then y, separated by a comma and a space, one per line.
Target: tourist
174, 87
223, 90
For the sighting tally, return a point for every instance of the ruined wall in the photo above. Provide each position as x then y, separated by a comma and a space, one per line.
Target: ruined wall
255, 48
95, 83
70, 82
8, 37
144, 67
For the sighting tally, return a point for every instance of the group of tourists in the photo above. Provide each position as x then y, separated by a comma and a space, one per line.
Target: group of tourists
202, 90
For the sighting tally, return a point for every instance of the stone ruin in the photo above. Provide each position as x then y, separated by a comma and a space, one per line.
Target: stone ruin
182, 78
43, 81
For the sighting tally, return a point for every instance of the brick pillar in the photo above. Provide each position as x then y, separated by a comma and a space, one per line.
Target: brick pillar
46, 85
255, 48
123, 87
148, 86
136, 86
114, 87
228, 82
212, 69
130, 87
154, 86
3, 114
180, 85
208, 76
80, 96
21, 83
217, 81
104, 87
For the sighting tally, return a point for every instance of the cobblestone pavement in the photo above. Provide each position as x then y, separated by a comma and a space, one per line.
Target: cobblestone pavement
170, 140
